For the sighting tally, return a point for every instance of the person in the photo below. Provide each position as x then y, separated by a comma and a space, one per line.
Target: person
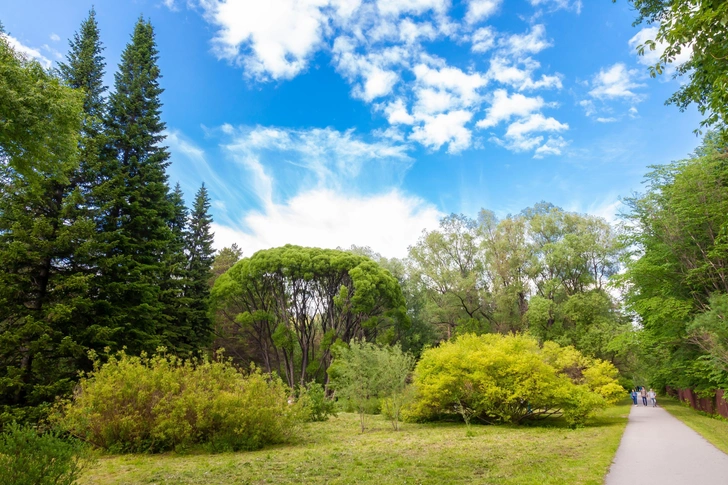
634, 396
643, 393
653, 397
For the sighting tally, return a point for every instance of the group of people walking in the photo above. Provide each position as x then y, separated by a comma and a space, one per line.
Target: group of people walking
644, 394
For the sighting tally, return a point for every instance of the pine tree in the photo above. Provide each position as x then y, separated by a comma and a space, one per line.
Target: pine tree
200, 255
137, 207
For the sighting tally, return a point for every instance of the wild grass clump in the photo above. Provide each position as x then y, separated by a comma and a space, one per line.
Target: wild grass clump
161, 403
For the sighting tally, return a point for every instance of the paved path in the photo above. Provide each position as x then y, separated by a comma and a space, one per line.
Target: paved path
658, 448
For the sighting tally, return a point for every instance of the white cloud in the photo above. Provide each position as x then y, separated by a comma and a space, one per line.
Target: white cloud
28, 52
610, 119
373, 74
55, 37
505, 71
633, 113
272, 39
445, 128
521, 135
588, 105
553, 146
411, 32
504, 107
483, 39
397, 7
397, 113
378, 46
479, 10
388, 223
558, 4
534, 123
531, 42
615, 82
652, 57
332, 156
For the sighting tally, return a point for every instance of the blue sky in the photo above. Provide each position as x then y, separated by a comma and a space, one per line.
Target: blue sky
339, 122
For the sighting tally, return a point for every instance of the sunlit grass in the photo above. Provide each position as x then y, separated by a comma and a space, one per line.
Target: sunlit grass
335, 452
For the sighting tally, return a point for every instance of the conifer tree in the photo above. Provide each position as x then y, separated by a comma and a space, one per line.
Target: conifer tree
200, 255
179, 333
137, 207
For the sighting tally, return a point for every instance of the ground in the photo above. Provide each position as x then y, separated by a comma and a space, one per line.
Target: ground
335, 452
713, 429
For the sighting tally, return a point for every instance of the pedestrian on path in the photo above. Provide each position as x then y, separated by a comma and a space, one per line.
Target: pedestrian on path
634, 396
653, 398
643, 393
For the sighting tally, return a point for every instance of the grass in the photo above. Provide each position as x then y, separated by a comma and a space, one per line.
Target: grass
335, 452
713, 429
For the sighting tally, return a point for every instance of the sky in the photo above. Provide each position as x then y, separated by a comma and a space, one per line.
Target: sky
337, 122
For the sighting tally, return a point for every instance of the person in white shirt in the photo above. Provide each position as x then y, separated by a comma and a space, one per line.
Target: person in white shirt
653, 397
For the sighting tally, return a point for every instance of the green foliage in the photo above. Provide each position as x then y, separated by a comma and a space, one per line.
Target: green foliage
40, 118
200, 256
363, 372
152, 404
701, 28
314, 400
292, 304
30, 458
496, 378
678, 230
43, 238
137, 211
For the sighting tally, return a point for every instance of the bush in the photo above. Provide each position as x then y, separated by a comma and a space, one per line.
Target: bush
363, 373
29, 458
497, 378
141, 404
318, 407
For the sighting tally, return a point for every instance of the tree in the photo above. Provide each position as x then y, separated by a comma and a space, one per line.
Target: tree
137, 208
448, 263
178, 330
363, 373
41, 288
679, 265
200, 256
39, 117
293, 303
701, 28
421, 332
224, 260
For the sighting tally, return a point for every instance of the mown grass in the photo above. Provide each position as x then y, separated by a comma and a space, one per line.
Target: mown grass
713, 429
335, 452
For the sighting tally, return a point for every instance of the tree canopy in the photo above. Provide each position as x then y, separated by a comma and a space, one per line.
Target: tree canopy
294, 302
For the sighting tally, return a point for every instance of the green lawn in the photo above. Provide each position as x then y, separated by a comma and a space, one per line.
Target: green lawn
335, 452
712, 429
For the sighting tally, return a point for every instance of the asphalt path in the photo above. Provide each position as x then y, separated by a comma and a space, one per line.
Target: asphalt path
658, 448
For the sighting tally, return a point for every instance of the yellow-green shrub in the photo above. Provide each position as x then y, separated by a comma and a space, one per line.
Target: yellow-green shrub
497, 378
134, 404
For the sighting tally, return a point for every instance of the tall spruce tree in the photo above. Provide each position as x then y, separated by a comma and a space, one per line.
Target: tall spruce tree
200, 255
137, 206
179, 333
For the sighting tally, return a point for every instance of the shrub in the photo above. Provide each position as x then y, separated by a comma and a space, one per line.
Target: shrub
30, 458
141, 404
497, 378
318, 407
363, 373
